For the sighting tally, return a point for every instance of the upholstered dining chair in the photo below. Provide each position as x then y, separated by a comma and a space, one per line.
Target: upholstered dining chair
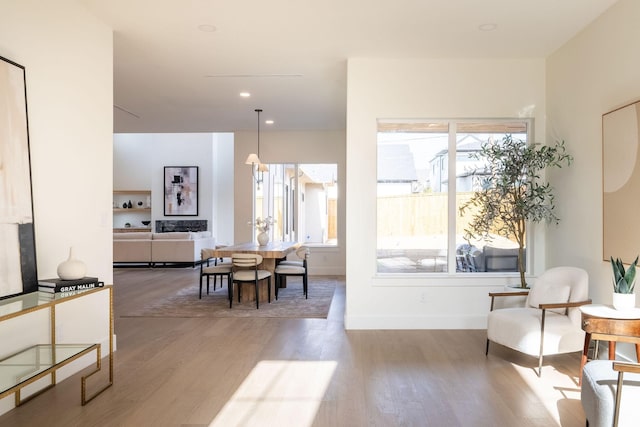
221, 270
549, 321
294, 268
302, 253
245, 270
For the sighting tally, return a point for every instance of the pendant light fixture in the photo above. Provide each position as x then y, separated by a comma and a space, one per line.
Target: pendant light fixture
257, 167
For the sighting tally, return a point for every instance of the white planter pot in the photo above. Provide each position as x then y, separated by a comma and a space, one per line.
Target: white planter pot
624, 301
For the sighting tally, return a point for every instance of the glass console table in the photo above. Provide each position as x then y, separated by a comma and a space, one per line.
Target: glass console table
30, 364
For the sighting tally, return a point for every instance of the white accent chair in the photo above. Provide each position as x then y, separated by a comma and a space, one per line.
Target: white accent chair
604, 382
245, 270
549, 322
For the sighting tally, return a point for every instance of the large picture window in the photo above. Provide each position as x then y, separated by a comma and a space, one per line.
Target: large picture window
303, 201
426, 171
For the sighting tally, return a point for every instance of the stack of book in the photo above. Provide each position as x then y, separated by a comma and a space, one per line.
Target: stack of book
58, 285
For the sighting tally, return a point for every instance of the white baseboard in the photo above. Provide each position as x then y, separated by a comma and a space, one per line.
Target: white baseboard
415, 322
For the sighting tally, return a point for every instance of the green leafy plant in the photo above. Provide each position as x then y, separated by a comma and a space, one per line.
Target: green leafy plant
623, 281
512, 193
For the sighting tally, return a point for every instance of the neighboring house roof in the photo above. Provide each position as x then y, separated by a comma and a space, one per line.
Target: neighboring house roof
398, 165
320, 173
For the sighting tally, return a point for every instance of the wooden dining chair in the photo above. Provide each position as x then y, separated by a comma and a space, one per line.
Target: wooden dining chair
245, 270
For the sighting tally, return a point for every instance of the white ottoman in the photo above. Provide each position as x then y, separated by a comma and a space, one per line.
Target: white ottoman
599, 384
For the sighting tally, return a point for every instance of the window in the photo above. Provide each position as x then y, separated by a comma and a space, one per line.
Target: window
303, 201
426, 171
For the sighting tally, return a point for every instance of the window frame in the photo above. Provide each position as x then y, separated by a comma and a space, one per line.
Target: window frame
389, 277
291, 209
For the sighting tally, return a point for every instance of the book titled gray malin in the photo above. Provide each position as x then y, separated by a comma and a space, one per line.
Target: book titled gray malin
59, 285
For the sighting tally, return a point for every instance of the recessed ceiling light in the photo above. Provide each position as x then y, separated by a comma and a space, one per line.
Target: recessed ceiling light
269, 122
207, 28
245, 94
487, 27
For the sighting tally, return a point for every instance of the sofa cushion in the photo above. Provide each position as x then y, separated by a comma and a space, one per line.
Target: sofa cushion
200, 234
178, 235
134, 235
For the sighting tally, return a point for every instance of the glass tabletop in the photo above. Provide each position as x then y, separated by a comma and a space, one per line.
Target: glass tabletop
31, 361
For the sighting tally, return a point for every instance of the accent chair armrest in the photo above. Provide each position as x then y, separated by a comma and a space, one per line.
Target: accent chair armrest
626, 367
564, 304
508, 294
493, 295
621, 368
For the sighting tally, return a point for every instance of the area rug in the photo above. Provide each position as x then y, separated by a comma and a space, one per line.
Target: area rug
291, 302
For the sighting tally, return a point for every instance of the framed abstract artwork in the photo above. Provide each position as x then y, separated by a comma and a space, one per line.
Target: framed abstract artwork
17, 238
180, 191
621, 182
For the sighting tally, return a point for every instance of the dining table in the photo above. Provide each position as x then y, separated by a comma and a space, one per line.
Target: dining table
271, 253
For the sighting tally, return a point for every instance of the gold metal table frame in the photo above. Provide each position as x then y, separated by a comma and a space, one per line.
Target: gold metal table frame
37, 361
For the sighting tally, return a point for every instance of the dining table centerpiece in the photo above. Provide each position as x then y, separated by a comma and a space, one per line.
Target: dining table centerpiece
263, 225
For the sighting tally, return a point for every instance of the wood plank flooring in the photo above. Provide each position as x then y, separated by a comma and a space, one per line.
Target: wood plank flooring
303, 372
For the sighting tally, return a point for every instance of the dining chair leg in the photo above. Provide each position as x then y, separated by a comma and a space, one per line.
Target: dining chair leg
269, 289
305, 286
230, 290
208, 284
200, 295
277, 285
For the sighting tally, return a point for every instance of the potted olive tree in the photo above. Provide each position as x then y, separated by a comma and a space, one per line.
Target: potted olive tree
513, 193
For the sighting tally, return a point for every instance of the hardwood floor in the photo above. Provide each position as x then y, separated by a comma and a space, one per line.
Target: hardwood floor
303, 372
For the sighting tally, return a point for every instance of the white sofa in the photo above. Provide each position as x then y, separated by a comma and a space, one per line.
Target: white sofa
160, 248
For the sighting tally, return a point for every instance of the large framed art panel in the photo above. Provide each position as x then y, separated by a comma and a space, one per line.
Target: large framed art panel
621, 182
180, 191
18, 272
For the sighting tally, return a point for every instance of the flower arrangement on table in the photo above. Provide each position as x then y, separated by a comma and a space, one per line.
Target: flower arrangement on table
263, 225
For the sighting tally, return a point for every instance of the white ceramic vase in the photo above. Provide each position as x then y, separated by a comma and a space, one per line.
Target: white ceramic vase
624, 301
263, 238
72, 268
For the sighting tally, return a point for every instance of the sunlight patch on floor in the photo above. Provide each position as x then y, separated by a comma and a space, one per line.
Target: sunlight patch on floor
278, 393
551, 388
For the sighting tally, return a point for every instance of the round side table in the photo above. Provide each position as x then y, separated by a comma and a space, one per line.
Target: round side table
604, 323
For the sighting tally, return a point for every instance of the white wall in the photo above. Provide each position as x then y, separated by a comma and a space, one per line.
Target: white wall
69, 70
139, 161
452, 88
292, 147
594, 73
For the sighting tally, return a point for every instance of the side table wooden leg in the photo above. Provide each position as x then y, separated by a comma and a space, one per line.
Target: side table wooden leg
638, 353
612, 350
585, 352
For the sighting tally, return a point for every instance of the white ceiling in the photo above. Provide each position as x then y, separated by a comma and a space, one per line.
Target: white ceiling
291, 55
